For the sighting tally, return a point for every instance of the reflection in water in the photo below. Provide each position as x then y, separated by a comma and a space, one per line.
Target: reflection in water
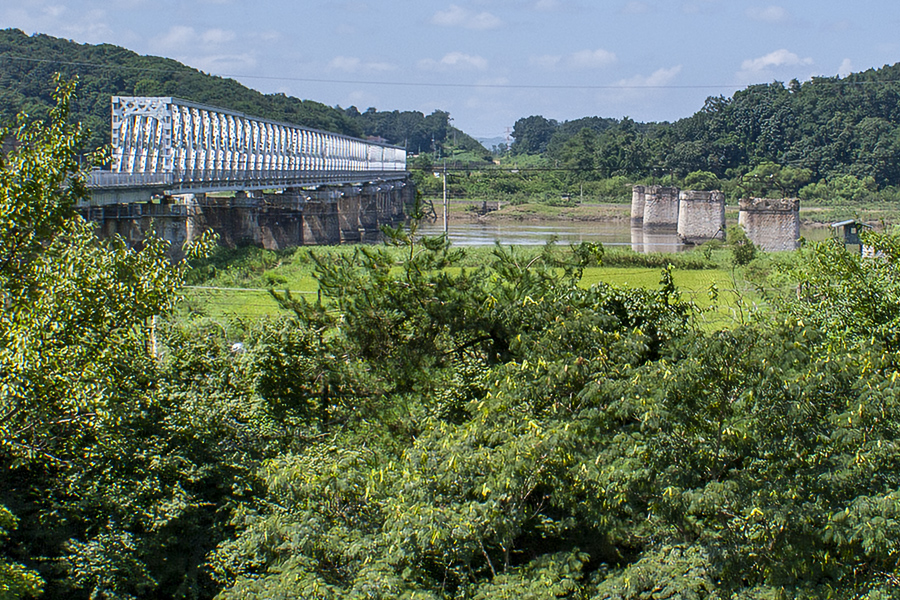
518, 233
609, 233
637, 239
663, 240
646, 241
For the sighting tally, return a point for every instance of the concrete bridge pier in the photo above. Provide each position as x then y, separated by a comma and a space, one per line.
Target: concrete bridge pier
349, 214
330, 215
773, 225
174, 220
638, 199
407, 201
385, 212
236, 220
661, 207
369, 226
701, 216
278, 220
321, 225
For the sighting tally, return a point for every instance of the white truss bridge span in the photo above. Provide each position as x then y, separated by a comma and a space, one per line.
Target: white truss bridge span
173, 146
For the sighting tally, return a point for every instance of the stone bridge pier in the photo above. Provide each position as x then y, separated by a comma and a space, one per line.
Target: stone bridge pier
660, 207
330, 215
772, 224
701, 216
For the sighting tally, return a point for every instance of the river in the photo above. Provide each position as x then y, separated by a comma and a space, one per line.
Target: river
609, 233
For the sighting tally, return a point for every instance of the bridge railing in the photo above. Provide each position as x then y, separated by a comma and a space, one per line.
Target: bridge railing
198, 179
107, 179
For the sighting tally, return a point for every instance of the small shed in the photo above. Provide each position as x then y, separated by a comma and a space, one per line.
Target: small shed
849, 231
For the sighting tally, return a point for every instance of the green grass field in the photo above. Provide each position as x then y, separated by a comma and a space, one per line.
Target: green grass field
720, 298
236, 284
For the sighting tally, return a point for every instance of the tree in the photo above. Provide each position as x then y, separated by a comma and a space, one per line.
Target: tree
15, 580
581, 155
743, 250
701, 180
89, 455
769, 177
456, 482
532, 135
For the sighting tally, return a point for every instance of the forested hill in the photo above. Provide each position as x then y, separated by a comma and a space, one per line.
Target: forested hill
27, 65
823, 130
822, 138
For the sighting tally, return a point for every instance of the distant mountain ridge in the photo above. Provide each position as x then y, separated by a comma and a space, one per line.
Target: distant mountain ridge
27, 65
840, 132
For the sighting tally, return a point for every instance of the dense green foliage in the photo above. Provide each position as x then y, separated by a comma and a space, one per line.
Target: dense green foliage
834, 139
28, 62
429, 428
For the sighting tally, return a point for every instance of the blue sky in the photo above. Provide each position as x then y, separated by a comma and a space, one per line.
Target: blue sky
489, 63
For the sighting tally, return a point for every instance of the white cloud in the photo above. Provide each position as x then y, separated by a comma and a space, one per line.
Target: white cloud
658, 78
54, 11
581, 60
345, 63
779, 58
591, 59
217, 36
82, 25
846, 68
458, 59
353, 64
381, 66
181, 39
769, 14
457, 16
223, 64
455, 60
177, 38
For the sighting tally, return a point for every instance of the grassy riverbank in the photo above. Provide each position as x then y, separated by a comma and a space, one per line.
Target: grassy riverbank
471, 212
235, 283
876, 214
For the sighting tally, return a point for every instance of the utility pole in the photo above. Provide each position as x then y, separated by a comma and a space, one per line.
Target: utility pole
446, 205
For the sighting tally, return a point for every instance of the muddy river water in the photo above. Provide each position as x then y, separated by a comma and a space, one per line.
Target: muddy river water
609, 233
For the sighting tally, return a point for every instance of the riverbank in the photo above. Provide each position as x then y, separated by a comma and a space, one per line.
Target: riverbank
468, 212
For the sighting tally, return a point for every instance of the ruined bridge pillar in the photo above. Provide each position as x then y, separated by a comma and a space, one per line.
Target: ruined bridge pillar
773, 225
701, 216
638, 199
661, 207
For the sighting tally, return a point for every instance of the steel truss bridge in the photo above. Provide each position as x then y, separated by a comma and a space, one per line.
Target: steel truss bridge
164, 145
